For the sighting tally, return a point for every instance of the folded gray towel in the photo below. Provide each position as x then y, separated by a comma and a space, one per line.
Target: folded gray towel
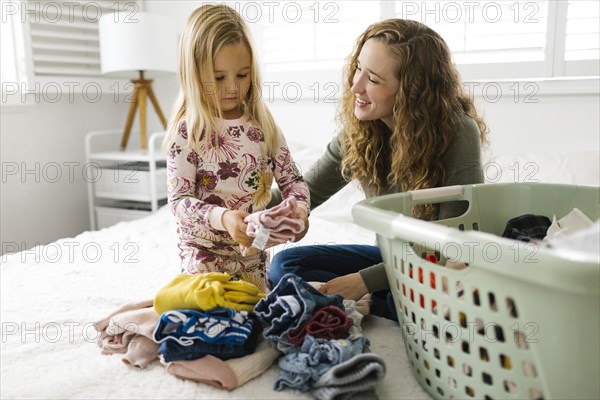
355, 378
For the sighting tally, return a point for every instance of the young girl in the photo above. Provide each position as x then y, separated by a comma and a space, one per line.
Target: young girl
224, 148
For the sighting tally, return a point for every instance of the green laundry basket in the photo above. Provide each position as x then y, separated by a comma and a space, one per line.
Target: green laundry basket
520, 321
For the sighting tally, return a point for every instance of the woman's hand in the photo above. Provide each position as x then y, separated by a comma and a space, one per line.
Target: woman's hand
233, 221
350, 287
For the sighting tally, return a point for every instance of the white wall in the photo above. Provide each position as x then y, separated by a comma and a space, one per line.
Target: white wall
556, 124
46, 133
43, 194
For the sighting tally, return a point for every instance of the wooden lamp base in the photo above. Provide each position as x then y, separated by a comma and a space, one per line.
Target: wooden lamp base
142, 88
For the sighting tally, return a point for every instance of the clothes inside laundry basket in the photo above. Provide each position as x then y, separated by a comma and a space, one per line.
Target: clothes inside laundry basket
574, 231
586, 240
527, 227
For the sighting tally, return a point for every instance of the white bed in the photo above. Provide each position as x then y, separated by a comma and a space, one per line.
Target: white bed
50, 295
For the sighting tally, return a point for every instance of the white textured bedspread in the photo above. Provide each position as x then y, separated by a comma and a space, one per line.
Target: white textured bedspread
50, 296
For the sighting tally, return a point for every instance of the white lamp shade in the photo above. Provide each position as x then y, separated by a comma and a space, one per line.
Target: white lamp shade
137, 42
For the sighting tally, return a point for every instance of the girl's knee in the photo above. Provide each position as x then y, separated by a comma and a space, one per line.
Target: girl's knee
290, 260
284, 262
276, 268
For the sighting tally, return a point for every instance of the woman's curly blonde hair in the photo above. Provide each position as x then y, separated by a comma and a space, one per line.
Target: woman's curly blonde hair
430, 103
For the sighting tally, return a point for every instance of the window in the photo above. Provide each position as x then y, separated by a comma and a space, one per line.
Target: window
311, 35
583, 30
64, 35
12, 61
485, 32
9, 71
582, 39
488, 39
503, 39
52, 47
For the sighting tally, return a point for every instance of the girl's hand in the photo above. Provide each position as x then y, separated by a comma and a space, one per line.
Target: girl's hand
233, 221
304, 217
350, 287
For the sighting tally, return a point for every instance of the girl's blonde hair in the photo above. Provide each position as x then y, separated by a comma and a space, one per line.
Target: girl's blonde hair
208, 29
429, 106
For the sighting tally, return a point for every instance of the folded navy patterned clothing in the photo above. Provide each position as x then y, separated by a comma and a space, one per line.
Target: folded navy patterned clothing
172, 350
219, 326
289, 305
355, 378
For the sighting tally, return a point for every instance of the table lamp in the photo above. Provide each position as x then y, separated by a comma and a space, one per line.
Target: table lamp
142, 46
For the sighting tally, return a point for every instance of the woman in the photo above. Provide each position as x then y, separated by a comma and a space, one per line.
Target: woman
406, 124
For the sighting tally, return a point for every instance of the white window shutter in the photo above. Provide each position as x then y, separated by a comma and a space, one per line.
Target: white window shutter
302, 35
501, 39
485, 31
64, 35
578, 53
583, 30
8, 71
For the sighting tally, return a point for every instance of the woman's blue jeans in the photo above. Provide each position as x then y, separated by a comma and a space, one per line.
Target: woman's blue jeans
322, 263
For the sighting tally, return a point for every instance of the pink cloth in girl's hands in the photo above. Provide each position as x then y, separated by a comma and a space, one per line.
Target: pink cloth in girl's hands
279, 224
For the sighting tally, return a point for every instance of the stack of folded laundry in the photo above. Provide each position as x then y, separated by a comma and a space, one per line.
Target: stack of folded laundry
200, 326
207, 328
320, 336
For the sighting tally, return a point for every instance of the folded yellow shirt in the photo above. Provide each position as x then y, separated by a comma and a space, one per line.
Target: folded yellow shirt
205, 292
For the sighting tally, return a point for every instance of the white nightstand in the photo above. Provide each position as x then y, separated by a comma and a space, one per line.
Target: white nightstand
123, 185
